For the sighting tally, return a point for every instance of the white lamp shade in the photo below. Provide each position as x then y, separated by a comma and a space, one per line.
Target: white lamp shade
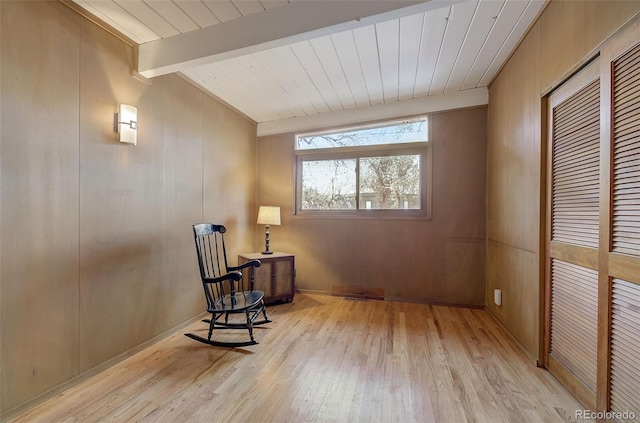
269, 215
128, 124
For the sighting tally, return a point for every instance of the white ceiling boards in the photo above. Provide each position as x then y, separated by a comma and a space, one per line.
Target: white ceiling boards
282, 62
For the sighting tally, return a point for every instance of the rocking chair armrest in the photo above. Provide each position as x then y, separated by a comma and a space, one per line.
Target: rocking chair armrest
250, 263
234, 275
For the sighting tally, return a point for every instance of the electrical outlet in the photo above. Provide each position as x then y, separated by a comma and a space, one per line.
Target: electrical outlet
497, 297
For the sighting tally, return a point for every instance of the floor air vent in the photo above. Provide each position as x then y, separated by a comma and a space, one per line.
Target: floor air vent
357, 292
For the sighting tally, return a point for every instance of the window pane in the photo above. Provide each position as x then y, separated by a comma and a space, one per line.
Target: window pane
391, 182
397, 133
328, 184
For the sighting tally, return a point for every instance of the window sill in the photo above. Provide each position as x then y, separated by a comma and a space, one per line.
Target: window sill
373, 215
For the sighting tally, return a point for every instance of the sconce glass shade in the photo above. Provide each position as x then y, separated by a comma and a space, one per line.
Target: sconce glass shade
268, 215
128, 124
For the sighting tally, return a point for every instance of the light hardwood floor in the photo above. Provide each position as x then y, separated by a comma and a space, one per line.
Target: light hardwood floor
328, 359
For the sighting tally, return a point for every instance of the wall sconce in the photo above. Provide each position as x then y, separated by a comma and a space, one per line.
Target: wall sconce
127, 124
268, 215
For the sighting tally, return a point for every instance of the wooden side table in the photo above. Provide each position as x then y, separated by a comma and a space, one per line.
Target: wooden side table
276, 275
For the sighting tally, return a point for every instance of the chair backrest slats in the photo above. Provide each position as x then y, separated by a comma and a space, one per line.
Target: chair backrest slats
210, 263
212, 252
212, 258
217, 242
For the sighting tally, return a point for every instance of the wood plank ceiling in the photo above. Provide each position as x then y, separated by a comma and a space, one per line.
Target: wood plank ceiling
450, 47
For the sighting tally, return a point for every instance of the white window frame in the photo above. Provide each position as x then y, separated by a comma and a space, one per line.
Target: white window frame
423, 149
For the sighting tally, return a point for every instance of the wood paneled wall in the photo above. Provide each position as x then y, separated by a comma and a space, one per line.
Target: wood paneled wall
571, 31
559, 42
441, 260
513, 192
97, 249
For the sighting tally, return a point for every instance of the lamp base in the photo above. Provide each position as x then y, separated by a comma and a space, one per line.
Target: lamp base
267, 252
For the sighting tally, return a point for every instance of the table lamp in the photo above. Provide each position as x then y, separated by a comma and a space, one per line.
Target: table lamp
268, 215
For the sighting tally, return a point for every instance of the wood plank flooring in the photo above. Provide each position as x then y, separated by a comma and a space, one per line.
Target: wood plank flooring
328, 359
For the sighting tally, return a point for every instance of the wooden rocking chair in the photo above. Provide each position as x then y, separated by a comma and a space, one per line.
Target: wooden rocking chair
224, 288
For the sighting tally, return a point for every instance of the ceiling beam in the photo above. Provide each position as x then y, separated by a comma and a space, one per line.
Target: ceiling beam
299, 21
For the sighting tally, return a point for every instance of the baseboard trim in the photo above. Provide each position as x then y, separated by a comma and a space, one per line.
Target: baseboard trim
397, 299
24, 408
312, 292
435, 303
522, 348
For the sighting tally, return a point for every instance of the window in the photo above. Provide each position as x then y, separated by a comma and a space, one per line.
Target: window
376, 170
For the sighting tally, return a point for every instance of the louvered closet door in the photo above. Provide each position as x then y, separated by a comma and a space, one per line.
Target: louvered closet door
625, 344
592, 337
626, 154
624, 259
574, 192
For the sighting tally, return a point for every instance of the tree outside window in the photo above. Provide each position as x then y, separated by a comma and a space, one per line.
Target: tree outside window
380, 167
